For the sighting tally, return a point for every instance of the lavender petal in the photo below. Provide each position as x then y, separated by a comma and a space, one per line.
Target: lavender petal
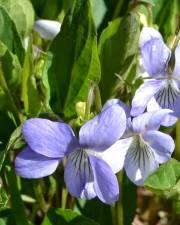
51, 139
29, 164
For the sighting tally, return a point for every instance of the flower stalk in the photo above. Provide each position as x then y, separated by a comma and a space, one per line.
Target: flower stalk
39, 195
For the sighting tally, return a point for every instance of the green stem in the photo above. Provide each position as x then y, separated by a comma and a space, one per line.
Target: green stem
175, 210
117, 9
39, 196
177, 150
129, 198
117, 210
150, 16
87, 111
9, 96
52, 188
176, 41
16, 202
64, 198
173, 46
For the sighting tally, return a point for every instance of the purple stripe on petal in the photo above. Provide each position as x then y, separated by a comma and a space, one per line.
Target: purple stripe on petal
161, 144
105, 181
51, 139
78, 175
139, 161
29, 164
155, 57
168, 94
104, 129
143, 95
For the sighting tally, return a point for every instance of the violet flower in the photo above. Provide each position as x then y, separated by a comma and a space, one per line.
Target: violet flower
90, 168
162, 90
142, 147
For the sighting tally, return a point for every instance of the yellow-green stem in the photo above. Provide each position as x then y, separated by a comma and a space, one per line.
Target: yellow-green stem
117, 210
64, 198
118, 9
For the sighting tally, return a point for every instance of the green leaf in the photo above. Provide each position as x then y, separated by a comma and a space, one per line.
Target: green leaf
6, 217
129, 196
48, 8
118, 47
3, 100
99, 10
9, 35
166, 16
22, 13
150, 2
16, 140
3, 49
17, 205
3, 198
11, 69
30, 95
75, 59
66, 217
6, 128
10, 81
45, 83
96, 210
166, 180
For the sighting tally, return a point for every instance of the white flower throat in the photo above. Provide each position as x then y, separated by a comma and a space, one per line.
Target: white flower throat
139, 151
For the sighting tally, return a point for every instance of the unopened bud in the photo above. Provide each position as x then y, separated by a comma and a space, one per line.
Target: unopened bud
80, 109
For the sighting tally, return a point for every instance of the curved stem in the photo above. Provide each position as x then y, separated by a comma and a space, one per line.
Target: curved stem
39, 196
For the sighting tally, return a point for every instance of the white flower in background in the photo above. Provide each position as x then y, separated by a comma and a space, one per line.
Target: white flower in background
26, 42
47, 29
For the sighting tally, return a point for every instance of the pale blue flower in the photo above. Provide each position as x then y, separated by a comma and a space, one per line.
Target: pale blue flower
142, 147
89, 170
162, 90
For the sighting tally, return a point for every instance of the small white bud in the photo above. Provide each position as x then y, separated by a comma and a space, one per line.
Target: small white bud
47, 29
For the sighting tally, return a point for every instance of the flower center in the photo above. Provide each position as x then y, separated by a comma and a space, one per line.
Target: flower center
140, 150
80, 159
168, 94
